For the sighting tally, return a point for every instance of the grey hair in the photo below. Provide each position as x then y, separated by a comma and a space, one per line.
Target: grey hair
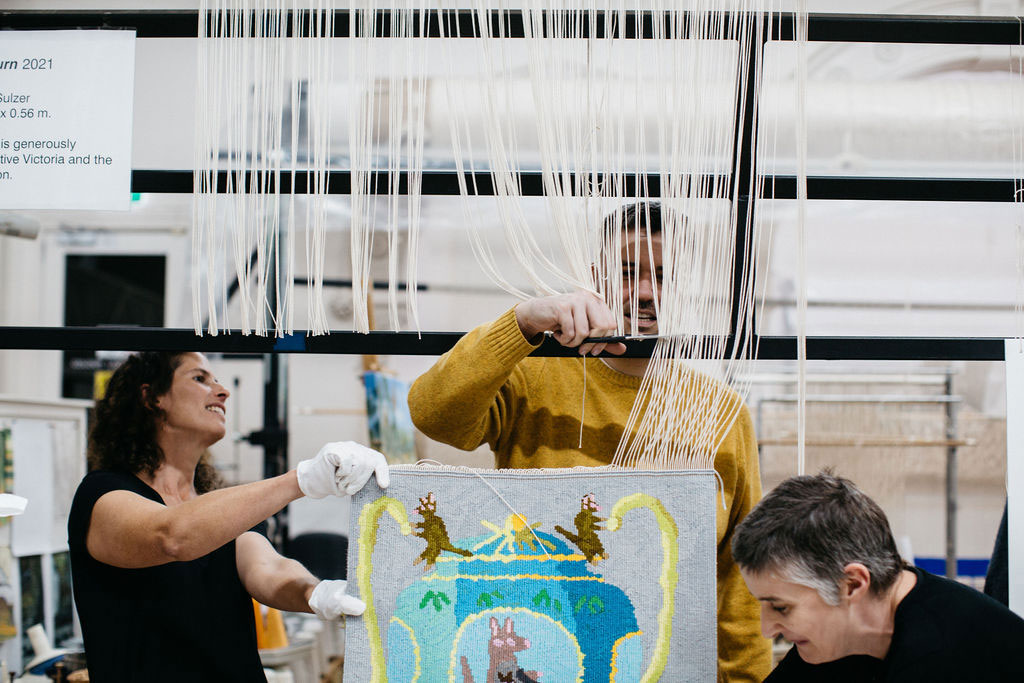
809, 528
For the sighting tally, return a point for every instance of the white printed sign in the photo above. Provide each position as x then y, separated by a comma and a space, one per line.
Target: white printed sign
1015, 470
66, 119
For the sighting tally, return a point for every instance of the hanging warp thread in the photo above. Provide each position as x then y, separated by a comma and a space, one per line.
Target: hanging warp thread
600, 107
249, 75
388, 78
800, 21
607, 108
1016, 65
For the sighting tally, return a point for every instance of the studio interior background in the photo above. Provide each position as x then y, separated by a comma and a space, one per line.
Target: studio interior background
918, 435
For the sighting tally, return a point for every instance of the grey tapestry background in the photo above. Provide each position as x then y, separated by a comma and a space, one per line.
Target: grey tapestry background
506, 600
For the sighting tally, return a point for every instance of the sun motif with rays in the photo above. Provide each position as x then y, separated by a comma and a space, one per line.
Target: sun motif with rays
516, 535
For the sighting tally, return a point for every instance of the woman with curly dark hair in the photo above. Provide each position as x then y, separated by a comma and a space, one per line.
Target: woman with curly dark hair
163, 562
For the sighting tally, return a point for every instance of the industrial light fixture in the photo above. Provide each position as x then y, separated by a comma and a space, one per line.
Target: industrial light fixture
17, 225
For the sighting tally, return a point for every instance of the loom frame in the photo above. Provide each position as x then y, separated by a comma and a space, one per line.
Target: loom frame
909, 29
952, 30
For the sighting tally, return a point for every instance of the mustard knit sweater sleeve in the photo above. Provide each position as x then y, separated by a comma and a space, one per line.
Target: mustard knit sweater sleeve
467, 397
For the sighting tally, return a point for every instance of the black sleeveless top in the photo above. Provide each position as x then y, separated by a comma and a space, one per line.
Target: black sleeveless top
181, 621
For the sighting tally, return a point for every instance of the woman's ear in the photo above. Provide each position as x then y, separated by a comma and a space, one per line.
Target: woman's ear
857, 584
146, 393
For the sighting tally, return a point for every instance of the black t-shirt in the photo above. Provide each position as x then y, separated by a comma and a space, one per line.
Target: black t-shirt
181, 621
943, 631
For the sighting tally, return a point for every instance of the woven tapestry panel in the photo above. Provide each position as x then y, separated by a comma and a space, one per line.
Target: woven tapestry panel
533, 575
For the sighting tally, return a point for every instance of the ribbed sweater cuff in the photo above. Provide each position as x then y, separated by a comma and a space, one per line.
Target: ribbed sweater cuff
506, 340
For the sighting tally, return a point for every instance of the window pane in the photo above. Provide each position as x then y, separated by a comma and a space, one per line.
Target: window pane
895, 110
894, 268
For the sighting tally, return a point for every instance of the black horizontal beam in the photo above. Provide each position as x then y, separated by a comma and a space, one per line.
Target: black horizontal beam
885, 348
895, 28
436, 343
159, 24
446, 183
436, 183
895, 189
877, 28
347, 284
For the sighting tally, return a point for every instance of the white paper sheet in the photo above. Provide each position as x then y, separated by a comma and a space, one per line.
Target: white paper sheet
47, 466
66, 119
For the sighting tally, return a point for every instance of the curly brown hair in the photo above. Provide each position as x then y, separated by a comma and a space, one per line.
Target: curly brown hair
123, 433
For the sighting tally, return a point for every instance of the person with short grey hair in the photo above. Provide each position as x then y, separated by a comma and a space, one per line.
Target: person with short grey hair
819, 556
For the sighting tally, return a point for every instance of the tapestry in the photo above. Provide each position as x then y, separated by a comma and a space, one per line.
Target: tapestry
583, 574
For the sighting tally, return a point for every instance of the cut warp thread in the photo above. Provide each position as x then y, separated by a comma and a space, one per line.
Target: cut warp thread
606, 108
801, 239
597, 108
250, 80
388, 79
583, 402
1016, 65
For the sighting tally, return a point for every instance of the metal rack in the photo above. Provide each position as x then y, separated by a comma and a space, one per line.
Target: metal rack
951, 443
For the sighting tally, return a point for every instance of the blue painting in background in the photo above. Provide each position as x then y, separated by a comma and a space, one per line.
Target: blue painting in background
387, 412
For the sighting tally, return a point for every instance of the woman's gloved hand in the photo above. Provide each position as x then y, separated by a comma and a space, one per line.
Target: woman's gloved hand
340, 469
329, 601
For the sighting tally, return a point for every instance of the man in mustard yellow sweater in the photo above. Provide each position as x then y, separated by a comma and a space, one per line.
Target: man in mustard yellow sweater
487, 390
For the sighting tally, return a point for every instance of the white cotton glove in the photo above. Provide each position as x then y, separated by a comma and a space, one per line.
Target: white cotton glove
329, 601
340, 469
